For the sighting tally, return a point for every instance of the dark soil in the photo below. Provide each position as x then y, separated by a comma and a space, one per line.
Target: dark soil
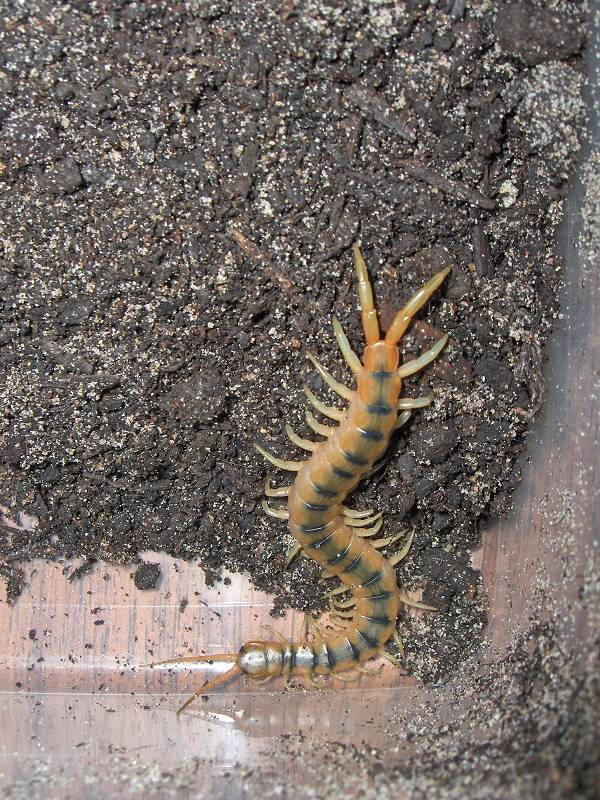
181, 187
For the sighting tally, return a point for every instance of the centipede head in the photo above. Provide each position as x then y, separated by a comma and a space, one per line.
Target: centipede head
381, 356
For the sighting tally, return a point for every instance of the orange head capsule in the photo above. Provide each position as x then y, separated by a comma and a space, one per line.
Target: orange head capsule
381, 357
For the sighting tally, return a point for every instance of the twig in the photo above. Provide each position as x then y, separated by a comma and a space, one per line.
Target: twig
252, 251
447, 185
373, 104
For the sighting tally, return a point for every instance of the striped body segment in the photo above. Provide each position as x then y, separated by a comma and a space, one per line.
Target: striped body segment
317, 522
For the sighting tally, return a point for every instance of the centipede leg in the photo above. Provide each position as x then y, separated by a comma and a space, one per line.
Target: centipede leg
376, 468
396, 660
355, 522
278, 513
305, 444
408, 601
387, 540
282, 491
317, 684
373, 673
350, 356
327, 411
414, 402
341, 616
402, 419
420, 363
337, 387
313, 628
339, 590
318, 427
292, 466
353, 514
347, 678
399, 643
277, 634
403, 552
291, 554
342, 605
365, 532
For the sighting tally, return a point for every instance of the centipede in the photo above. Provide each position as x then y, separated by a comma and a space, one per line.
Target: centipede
328, 531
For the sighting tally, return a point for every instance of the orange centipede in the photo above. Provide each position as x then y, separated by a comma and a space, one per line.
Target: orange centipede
324, 528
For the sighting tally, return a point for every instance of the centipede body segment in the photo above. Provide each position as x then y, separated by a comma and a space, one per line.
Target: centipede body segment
325, 529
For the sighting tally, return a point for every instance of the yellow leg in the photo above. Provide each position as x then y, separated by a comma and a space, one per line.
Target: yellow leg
402, 419
306, 444
376, 468
341, 617
342, 605
373, 673
309, 626
292, 466
399, 643
353, 514
278, 513
408, 601
291, 554
337, 387
318, 427
401, 554
283, 491
419, 363
347, 678
362, 523
350, 356
327, 411
415, 402
387, 540
334, 592
274, 632
371, 531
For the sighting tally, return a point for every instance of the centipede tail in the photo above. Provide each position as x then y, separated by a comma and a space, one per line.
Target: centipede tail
324, 528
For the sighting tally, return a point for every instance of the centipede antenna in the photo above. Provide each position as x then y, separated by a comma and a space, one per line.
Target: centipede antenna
365, 294
417, 301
